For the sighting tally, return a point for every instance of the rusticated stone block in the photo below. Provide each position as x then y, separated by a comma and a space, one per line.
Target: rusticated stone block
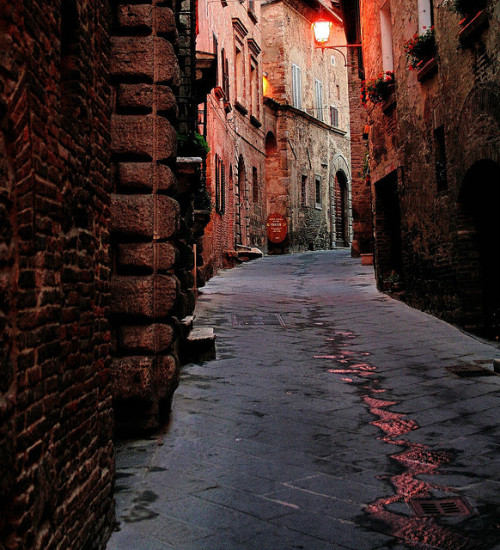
167, 217
146, 255
135, 175
164, 177
166, 375
134, 95
135, 56
133, 378
132, 214
138, 135
165, 98
165, 255
132, 56
168, 65
134, 16
151, 296
136, 255
165, 20
151, 338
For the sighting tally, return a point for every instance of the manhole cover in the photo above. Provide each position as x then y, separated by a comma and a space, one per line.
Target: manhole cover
263, 319
455, 506
468, 371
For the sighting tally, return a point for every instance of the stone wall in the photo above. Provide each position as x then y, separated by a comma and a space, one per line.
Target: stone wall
56, 454
151, 279
310, 145
438, 135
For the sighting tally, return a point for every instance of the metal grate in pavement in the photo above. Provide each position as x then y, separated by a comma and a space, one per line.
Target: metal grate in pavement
262, 319
454, 506
468, 371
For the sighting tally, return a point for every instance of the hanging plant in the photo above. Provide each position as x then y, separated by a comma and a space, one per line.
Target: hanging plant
465, 7
377, 90
420, 49
194, 145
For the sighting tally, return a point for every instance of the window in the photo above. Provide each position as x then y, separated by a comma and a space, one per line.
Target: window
238, 63
318, 86
255, 185
334, 117
425, 15
303, 191
216, 52
225, 74
317, 185
440, 158
254, 88
386, 31
296, 87
220, 186
338, 91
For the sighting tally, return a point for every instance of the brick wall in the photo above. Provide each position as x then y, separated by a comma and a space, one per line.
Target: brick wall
441, 134
56, 454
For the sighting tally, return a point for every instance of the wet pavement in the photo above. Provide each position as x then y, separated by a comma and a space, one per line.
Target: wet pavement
330, 420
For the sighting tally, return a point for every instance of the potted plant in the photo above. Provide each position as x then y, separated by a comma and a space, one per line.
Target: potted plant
420, 49
379, 89
465, 7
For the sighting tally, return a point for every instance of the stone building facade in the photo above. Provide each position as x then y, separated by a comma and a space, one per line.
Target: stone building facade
435, 154
231, 120
308, 174
56, 418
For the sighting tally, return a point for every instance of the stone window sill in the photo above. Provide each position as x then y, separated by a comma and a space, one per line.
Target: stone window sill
427, 69
241, 108
255, 121
472, 27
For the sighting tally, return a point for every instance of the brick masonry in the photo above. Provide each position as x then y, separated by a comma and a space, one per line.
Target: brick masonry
56, 453
434, 162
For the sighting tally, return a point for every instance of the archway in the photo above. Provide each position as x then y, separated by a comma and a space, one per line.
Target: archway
478, 234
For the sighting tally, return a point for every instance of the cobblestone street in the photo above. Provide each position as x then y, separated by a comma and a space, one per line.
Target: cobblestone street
331, 419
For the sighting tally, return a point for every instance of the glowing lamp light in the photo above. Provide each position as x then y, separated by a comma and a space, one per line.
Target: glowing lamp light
266, 86
321, 31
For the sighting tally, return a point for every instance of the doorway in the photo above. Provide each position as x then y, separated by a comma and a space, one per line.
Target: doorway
479, 248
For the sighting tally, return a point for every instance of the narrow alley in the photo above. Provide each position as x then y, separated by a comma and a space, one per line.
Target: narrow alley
333, 417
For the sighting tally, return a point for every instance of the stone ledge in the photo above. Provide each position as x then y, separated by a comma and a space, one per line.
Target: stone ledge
198, 346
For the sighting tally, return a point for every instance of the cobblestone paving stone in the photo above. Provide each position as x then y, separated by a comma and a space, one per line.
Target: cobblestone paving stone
316, 434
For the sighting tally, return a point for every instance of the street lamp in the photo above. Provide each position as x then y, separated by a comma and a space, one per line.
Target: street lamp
321, 29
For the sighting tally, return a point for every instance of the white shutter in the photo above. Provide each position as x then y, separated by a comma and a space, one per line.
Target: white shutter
319, 99
296, 87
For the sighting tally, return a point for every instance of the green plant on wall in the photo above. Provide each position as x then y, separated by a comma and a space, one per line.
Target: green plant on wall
193, 145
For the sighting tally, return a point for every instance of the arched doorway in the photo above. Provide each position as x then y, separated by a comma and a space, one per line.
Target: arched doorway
479, 248
341, 209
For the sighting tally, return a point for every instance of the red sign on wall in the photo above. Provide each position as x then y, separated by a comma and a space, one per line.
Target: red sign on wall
276, 228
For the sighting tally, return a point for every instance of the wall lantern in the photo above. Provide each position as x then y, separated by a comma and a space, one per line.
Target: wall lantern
321, 31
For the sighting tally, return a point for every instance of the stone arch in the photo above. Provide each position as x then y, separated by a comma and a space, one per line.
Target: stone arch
478, 248
341, 200
478, 133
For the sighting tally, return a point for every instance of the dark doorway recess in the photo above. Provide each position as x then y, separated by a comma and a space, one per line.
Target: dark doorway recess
479, 248
341, 210
388, 227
